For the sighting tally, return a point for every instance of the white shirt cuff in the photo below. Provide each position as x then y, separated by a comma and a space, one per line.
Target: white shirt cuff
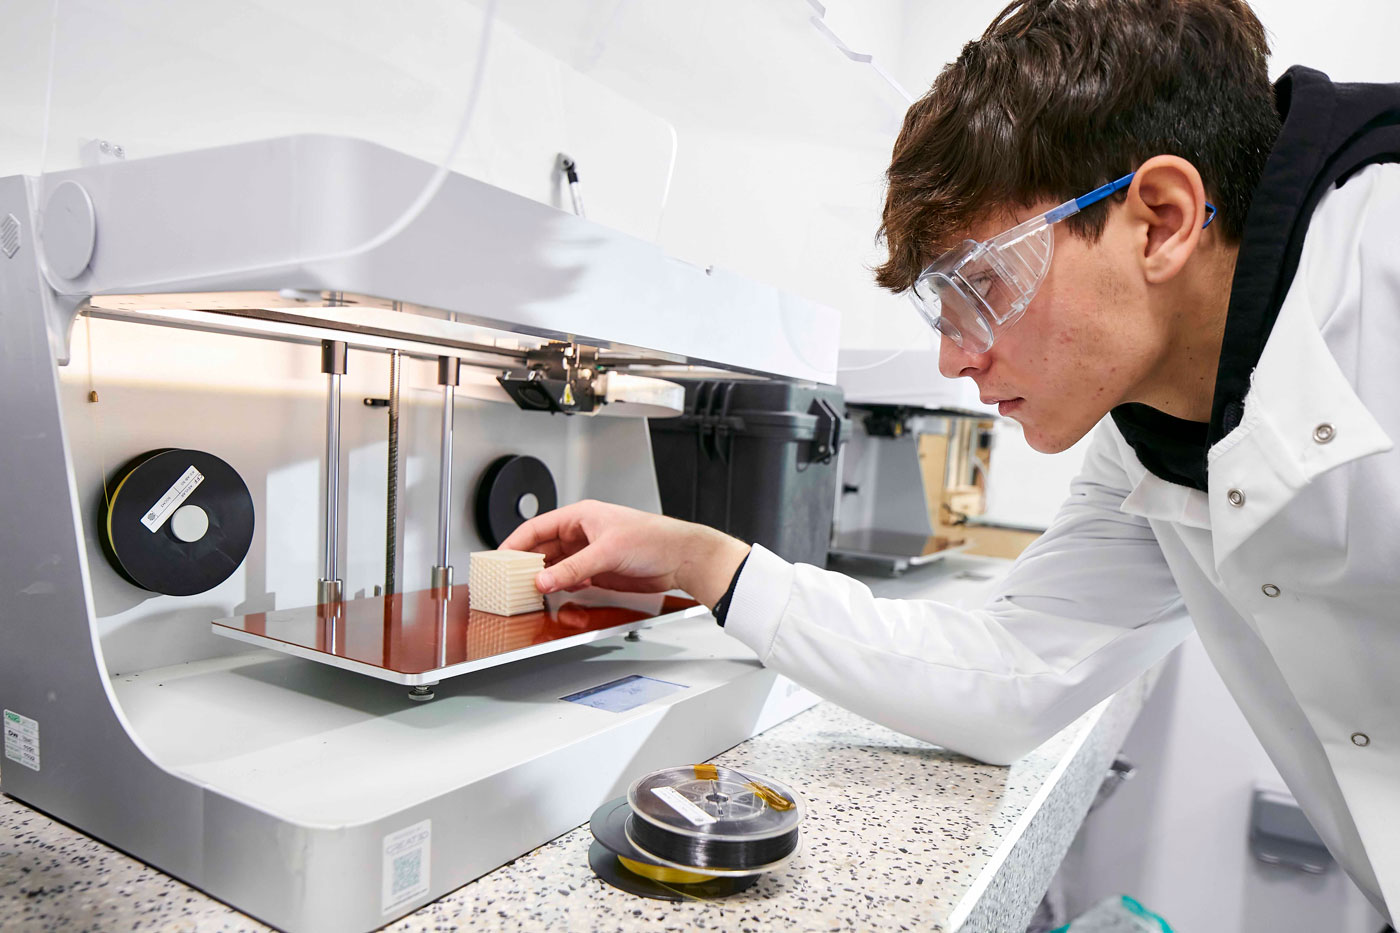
760, 599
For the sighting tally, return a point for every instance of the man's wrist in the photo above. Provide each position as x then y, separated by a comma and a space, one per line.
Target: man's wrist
714, 560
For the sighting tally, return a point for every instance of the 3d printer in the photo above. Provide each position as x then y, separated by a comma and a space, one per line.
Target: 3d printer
380, 363
316, 796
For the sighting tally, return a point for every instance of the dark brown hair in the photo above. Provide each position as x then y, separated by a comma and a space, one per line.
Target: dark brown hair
1059, 97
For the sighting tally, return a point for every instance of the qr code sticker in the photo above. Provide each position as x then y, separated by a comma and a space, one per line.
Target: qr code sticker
408, 869
406, 866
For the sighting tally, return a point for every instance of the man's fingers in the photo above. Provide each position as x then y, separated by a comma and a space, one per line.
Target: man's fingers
546, 527
571, 571
553, 551
561, 524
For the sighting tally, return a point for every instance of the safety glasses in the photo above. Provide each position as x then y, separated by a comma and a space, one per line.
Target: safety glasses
976, 290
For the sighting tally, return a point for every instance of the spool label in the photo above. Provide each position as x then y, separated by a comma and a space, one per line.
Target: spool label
22, 740
673, 799
406, 864
174, 497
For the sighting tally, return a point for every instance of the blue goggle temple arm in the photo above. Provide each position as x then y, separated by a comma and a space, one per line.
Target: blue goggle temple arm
1070, 208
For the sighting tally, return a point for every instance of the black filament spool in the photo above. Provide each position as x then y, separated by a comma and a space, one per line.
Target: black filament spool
503, 487
610, 842
605, 865
158, 560
716, 854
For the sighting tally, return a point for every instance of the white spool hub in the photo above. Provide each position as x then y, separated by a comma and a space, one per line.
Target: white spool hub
189, 523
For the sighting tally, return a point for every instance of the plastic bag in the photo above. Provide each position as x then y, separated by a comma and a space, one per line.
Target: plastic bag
1119, 914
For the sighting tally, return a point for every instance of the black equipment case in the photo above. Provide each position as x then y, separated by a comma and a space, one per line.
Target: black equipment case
756, 460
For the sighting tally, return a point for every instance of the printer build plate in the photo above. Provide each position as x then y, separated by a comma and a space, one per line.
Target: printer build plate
426, 636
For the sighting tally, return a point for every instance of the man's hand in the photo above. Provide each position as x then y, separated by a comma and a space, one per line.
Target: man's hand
595, 543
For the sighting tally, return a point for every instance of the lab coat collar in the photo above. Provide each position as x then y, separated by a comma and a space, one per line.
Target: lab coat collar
1301, 419
1156, 498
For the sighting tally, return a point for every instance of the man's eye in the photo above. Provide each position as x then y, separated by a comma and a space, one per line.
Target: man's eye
982, 285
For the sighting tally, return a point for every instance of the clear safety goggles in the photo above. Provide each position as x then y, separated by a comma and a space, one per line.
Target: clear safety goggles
976, 290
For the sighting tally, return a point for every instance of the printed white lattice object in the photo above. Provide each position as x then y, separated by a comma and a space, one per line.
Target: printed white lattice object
503, 582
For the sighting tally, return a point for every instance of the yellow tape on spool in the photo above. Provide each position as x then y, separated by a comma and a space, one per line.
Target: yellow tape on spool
663, 873
777, 801
774, 799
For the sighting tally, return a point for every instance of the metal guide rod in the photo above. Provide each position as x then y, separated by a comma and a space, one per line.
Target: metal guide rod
391, 511
442, 629
333, 360
449, 368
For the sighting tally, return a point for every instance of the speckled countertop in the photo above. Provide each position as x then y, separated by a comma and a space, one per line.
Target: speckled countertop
899, 835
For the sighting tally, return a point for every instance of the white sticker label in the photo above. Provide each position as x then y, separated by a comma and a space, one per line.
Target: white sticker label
22, 740
174, 497
673, 799
406, 864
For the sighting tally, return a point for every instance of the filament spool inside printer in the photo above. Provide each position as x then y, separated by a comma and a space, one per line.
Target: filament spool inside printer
513, 488
176, 521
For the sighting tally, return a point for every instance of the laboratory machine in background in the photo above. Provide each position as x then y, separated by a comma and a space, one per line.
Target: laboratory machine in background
914, 475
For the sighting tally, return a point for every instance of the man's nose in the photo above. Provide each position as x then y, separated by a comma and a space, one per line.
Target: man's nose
955, 361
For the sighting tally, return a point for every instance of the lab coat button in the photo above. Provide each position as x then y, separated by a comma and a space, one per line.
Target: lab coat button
1270, 590
1235, 497
1324, 433
1360, 739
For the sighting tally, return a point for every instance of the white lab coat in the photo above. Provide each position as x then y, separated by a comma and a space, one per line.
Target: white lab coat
1289, 568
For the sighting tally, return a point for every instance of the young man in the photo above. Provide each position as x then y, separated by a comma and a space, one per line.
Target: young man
1226, 311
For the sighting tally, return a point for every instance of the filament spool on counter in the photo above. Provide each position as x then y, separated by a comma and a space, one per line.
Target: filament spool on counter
621, 865
700, 831
176, 521
714, 819
513, 488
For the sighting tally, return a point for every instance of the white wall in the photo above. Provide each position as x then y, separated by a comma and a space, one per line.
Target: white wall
1351, 40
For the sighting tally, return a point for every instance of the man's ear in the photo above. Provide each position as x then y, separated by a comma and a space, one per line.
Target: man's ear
1167, 203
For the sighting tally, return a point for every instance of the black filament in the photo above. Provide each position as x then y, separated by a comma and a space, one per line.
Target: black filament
699, 852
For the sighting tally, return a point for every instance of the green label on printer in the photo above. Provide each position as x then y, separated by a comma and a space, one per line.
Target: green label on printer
22, 740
